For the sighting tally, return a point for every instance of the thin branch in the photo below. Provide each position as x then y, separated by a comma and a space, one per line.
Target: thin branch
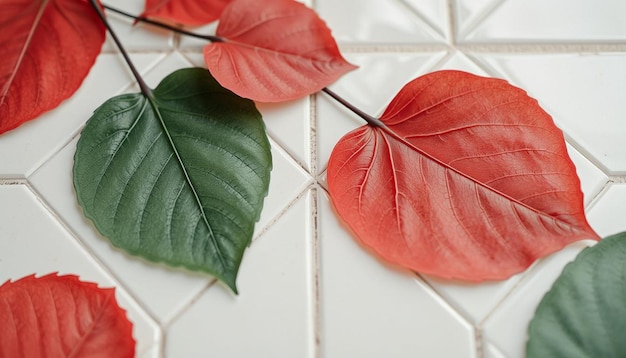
142, 84
163, 25
372, 121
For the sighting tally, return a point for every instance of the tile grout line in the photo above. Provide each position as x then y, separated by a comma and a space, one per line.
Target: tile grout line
543, 47
429, 25
315, 270
522, 280
540, 48
452, 23
314, 217
165, 325
13, 181
282, 149
447, 304
313, 135
111, 275
284, 211
593, 201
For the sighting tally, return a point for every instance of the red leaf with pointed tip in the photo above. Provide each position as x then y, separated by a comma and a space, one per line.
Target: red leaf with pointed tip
186, 12
60, 316
274, 50
48, 49
471, 180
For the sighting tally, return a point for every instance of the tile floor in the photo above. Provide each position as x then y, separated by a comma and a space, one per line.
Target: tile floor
307, 289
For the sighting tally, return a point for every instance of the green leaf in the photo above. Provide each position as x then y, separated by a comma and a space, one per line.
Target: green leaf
584, 313
179, 176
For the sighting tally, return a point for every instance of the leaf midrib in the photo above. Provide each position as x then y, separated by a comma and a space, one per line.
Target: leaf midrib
393, 134
170, 141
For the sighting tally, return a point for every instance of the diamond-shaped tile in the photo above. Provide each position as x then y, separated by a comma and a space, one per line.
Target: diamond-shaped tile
273, 316
380, 76
556, 20
607, 215
584, 95
289, 125
287, 181
370, 309
470, 13
434, 13
31, 144
46, 247
372, 22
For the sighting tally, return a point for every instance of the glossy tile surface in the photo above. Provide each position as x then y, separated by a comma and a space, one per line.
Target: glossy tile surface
307, 288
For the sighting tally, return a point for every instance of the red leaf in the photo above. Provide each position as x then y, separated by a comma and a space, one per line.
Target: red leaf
475, 183
274, 50
60, 316
186, 12
48, 49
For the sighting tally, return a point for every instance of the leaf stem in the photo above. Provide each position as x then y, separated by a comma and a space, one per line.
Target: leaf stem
372, 121
163, 25
142, 84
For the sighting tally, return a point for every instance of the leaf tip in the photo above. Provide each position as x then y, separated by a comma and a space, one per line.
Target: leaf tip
231, 282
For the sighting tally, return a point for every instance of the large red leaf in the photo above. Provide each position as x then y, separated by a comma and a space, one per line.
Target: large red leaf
470, 179
273, 50
60, 316
186, 12
48, 47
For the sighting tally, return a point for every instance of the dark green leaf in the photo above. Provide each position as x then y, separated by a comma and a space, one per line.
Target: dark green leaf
584, 313
179, 177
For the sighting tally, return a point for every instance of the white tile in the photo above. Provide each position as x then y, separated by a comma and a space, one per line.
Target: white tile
46, 247
375, 22
333, 122
380, 76
273, 315
556, 20
32, 143
196, 44
432, 12
169, 63
460, 61
287, 181
507, 326
474, 301
583, 93
469, 13
491, 351
607, 215
289, 125
372, 310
